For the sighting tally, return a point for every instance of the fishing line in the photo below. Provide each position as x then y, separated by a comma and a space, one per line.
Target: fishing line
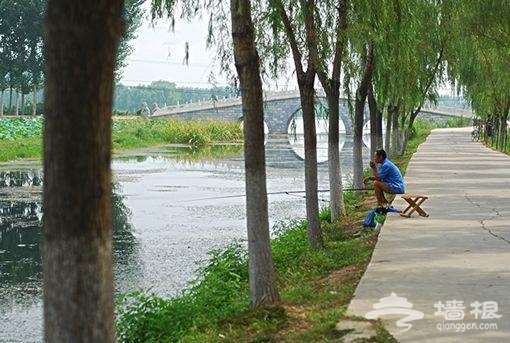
280, 193
304, 197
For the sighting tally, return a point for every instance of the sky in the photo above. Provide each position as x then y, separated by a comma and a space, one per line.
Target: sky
159, 52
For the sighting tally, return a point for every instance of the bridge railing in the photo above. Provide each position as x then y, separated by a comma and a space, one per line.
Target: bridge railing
282, 95
227, 101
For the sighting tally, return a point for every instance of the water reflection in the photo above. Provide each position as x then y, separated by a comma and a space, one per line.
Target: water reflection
297, 142
125, 245
298, 145
21, 235
296, 125
31, 178
21, 231
366, 133
20, 258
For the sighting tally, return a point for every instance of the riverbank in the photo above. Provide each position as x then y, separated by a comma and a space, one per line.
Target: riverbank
315, 286
22, 137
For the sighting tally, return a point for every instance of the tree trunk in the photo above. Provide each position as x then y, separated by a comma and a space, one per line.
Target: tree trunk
372, 106
261, 273
493, 129
402, 130
504, 126
16, 111
332, 88
311, 182
409, 130
379, 129
2, 93
335, 171
22, 103
502, 134
358, 144
306, 80
387, 139
498, 125
34, 101
359, 114
80, 50
394, 132
10, 100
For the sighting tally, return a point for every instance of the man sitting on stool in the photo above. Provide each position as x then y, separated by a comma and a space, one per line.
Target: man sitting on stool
388, 179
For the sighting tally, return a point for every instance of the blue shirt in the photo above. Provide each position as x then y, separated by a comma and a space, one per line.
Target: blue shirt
391, 175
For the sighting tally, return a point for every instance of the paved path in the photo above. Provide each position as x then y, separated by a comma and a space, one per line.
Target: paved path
461, 252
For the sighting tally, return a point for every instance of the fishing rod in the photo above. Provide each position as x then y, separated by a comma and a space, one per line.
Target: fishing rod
280, 193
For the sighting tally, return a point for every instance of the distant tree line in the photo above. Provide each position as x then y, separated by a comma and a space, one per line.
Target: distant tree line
22, 55
130, 98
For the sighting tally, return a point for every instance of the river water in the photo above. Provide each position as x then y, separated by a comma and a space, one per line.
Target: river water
172, 205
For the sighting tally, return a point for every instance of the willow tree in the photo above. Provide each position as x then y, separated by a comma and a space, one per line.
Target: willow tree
362, 90
331, 51
293, 30
408, 39
233, 35
430, 24
478, 60
261, 273
376, 121
132, 13
80, 40
358, 70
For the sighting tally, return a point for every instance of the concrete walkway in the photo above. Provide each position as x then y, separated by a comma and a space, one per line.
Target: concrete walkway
461, 252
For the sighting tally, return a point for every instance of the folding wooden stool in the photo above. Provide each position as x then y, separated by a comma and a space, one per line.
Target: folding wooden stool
414, 202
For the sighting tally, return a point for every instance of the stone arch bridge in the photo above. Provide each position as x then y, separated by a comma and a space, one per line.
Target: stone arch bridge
280, 108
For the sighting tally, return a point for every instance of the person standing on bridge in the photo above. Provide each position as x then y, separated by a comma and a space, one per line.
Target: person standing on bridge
145, 110
387, 180
155, 107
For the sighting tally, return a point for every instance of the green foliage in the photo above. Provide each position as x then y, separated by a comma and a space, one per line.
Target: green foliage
290, 243
132, 14
139, 133
219, 291
478, 59
479, 53
20, 148
208, 152
21, 36
421, 127
420, 131
408, 39
353, 201
455, 122
21, 52
325, 214
11, 129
